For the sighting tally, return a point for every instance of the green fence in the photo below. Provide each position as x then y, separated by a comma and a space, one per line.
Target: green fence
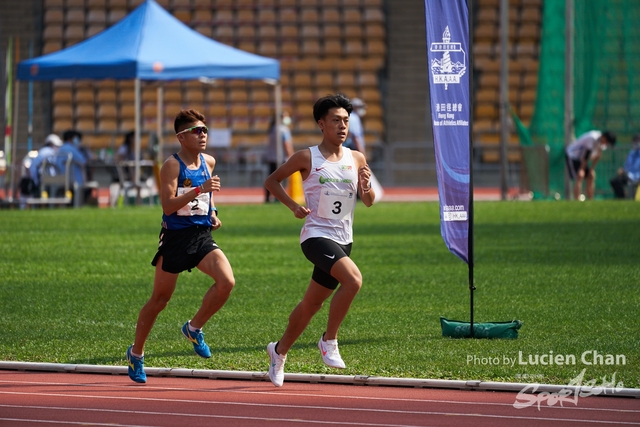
606, 84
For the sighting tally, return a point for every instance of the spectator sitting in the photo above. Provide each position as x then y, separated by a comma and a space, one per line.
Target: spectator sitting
48, 151
71, 145
125, 151
630, 174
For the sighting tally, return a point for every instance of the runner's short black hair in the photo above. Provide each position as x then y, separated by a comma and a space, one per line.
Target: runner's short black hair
610, 136
324, 104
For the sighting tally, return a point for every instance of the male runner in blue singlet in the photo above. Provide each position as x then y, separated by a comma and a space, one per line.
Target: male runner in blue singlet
189, 216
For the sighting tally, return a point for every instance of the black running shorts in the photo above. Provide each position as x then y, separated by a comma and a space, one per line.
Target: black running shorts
324, 253
573, 166
183, 249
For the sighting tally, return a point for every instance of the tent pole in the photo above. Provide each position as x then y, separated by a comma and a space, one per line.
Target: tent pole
137, 138
30, 107
15, 163
278, 99
8, 117
160, 120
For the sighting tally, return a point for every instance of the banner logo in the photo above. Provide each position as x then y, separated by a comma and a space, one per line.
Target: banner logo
445, 70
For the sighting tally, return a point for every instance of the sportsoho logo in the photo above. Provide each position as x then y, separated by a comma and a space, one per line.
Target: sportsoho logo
576, 389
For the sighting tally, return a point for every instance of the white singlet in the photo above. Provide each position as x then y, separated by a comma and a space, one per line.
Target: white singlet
330, 192
587, 142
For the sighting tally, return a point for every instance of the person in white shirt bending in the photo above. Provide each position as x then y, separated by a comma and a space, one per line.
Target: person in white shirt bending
582, 157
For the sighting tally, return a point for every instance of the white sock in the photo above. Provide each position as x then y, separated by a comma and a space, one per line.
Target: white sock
191, 328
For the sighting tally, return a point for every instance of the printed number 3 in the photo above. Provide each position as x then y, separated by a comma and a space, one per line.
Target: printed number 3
337, 207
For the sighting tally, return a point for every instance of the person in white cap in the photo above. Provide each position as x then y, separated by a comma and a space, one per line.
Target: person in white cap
355, 139
50, 148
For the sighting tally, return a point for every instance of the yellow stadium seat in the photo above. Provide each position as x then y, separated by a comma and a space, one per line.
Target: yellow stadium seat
309, 16
376, 48
63, 124
203, 17
74, 16
345, 79
289, 49
332, 48
51, 46
373, 14
354, 47
53, 17
202, 4
331, 31
288, 31
311, 31
329, 14
247, 32
107, 125
310, 47
239, 95
367, 79
85, 125
116, 15
107, 111
62, 95
288, 16
375, 30
350, 15
268, 48
531, 15
85, 111
205, 30
74, 33
267, 32
370, 94
324, 79
266, 16
260, 95
63, 111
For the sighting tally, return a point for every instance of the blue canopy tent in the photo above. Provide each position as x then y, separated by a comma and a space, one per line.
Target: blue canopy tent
151, 44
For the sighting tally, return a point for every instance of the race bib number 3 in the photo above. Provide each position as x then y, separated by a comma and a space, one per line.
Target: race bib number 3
198, 206
336, 204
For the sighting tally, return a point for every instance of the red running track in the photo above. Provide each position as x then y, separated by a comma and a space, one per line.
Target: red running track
69, 399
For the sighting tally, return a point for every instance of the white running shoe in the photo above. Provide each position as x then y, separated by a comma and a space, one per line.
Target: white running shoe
276, 365
330, 354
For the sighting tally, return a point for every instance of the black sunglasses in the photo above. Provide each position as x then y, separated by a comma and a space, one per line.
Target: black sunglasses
196, 130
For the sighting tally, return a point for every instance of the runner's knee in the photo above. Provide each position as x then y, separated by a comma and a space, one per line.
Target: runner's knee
226, 285
352, 283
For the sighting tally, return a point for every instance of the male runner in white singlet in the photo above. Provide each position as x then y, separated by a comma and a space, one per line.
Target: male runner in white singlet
332, 175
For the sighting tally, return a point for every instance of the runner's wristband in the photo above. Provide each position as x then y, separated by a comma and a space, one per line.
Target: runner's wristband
198, 191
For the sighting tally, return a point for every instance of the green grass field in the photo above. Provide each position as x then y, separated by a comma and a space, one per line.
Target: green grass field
73, 282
